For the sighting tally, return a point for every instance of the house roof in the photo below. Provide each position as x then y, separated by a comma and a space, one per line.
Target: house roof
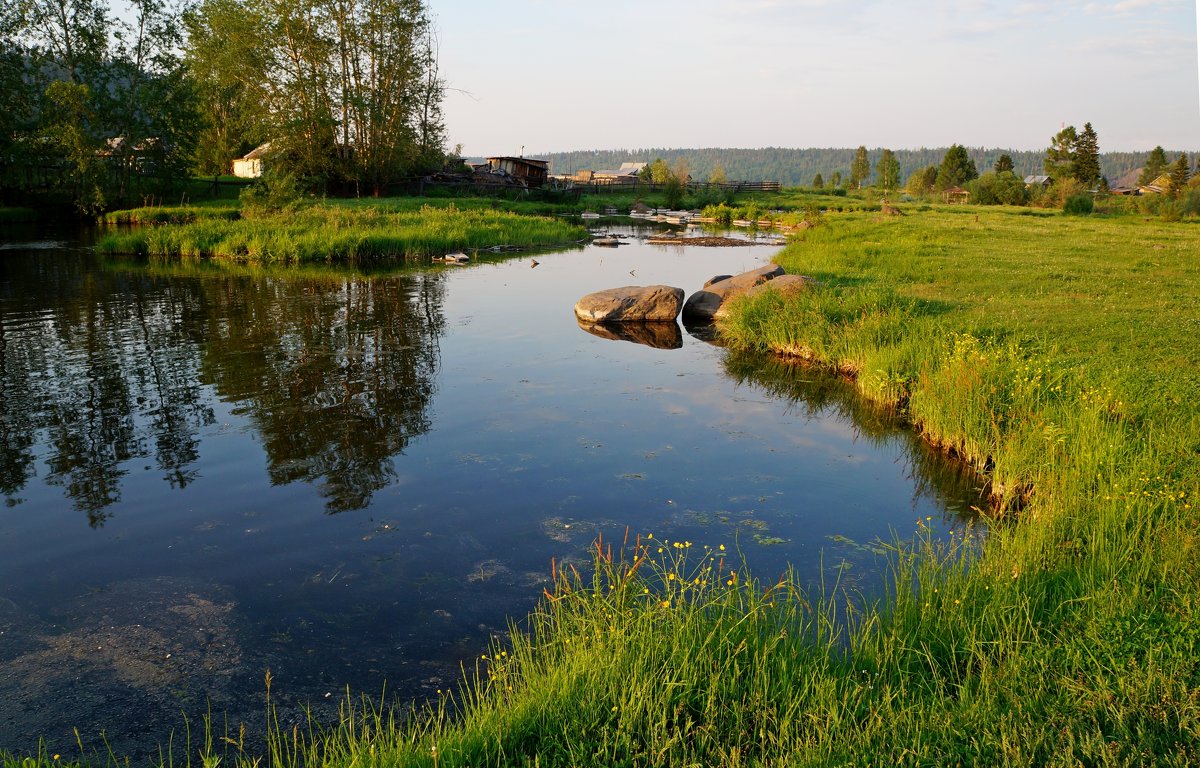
544, 164
1037, 179
258, 152
1128, 181
626, 169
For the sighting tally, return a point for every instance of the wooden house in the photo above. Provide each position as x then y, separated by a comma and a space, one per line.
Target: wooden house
250, 166
532, 172
628, 173
1160, 186
1127, 184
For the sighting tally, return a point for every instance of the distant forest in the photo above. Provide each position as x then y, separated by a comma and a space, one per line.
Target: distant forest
797, 167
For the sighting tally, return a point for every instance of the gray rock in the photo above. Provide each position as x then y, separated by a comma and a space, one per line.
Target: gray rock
786, 284
707, 303
631, 304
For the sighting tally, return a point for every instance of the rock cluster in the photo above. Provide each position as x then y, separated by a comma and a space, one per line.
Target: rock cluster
609, 313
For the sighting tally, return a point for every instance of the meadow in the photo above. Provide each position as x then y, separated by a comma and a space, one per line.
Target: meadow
1058, 355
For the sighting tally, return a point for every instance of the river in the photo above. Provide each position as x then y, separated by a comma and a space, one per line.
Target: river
352, 477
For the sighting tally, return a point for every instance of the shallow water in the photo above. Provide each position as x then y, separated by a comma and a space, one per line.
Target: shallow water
350, 477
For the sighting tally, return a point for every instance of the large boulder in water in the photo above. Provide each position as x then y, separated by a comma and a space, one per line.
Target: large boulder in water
631, 304
707, 303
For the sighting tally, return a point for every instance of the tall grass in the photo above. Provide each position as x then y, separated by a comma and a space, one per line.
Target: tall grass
1056, 353
343, 233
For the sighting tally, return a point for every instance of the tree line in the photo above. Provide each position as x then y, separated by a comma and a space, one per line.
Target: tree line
347, 93
799, 167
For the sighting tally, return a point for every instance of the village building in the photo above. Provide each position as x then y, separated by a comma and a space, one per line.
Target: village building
628, 173
250, 165
1160, 186
1037, 180
532, 172
956, 195
1127, 184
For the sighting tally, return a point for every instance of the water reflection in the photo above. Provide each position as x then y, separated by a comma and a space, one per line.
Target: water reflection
812, 392
659, 335
335, 372
159, 394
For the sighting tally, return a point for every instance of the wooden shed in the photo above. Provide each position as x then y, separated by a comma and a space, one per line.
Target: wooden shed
250, 166
532, 172
956, 195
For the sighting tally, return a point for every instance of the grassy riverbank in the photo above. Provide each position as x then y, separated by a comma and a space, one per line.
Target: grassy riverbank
335, 231
1059, 354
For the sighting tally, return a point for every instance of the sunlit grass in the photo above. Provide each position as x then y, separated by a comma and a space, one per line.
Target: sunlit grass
329, 232
1059, 355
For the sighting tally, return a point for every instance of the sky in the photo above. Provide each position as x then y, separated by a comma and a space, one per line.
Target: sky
538, 76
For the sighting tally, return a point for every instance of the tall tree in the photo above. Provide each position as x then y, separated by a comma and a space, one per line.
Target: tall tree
1179, 174
1003, 163
922, 181
888, 170
957, 168
14, 93
818, 181
1155, 165
227, 57
149, 98
1059, 161
1085, 166
350, 88
860, 169
835, 180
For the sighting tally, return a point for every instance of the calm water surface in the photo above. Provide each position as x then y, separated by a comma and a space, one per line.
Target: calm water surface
353, 477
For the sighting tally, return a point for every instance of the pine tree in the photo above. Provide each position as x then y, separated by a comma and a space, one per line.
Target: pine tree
835, 180
860, 171
818, 182
1004, 163
1156, 163
888, 170
957, 168
1179, 175
1085, 164
1059, 161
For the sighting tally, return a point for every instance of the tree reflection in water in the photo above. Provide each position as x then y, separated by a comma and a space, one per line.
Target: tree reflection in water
335, 370
932, 473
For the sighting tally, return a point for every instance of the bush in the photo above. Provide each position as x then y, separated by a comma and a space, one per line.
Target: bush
1080, 204
1190, 205
998, 189
271, 195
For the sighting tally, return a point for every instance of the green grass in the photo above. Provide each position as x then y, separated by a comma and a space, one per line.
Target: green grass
333, 232
1056, 353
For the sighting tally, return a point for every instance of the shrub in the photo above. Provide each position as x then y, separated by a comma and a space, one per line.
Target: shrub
1002, 188
1080, 204
271, 195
